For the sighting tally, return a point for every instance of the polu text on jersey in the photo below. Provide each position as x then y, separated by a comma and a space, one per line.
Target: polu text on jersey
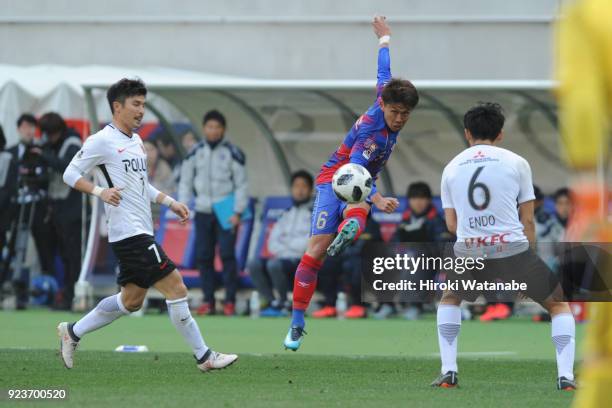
138, 164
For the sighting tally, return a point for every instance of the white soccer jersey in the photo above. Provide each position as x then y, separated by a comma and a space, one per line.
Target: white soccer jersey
122, 162
485, 184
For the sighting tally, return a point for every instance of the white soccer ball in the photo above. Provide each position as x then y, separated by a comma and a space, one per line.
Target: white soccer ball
352, 183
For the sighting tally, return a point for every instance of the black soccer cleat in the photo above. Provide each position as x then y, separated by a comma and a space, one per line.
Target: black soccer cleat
564, 384
448, 380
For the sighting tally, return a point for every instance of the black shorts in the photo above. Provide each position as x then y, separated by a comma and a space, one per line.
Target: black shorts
141, 261
525, 267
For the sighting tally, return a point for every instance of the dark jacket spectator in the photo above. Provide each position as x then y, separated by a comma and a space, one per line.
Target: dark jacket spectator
421, 222
8, 191
65, 203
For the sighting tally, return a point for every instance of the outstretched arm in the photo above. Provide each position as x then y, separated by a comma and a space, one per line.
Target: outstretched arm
383, 32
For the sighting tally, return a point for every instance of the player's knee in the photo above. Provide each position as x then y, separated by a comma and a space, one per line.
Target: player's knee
132, 305
179, 291
449, 298
555, 308
317, 250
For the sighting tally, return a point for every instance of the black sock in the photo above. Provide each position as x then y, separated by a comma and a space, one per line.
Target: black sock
204, 357
71, 333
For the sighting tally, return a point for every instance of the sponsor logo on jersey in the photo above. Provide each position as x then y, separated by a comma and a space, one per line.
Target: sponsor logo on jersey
121, 150
479, 155
138, 165
489, 240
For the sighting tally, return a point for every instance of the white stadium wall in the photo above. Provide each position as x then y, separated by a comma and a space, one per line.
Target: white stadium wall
441, 39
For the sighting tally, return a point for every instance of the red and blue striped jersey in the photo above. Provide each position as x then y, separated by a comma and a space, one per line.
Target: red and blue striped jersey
369, 142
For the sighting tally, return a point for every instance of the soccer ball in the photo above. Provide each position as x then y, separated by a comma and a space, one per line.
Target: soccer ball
352, 183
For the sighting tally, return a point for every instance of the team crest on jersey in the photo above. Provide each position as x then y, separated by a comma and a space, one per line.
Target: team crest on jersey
369, 148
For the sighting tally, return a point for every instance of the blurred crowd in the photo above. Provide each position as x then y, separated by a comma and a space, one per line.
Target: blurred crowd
211, 176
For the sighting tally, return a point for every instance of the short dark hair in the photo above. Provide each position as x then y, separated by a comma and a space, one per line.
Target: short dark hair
484, 121
401, 92
123, 89
537, 192
420, 189
303, 174
214, 115
562, 192
2, 139
52, 122
26, 117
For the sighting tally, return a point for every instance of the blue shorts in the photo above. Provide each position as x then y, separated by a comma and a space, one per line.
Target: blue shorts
327, 211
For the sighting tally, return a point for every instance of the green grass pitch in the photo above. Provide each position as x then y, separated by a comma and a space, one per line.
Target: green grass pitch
341, 363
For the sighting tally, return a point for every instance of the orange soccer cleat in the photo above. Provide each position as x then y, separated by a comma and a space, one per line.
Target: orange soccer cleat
356, 312
326, 311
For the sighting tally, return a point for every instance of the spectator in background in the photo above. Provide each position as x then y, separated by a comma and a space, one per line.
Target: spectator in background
65, 203
167, 151
423, 224
32, 175
563, 206
188, 140
287, 243
215, 172
158, 170
548, 231
8, 191
26, 128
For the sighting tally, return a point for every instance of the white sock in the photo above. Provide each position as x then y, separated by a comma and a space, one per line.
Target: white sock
449, 323
108, 310
181, 318
563, 335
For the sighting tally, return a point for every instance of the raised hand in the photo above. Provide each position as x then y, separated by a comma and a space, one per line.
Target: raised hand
379, 23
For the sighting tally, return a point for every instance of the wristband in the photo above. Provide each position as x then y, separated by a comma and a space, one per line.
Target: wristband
384, 39
97, 191
168, 201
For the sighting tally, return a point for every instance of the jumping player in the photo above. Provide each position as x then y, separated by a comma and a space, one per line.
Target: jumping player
369, 143
120, 156
488, 200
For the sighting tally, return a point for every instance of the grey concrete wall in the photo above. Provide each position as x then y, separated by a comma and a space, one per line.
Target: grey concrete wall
435, 39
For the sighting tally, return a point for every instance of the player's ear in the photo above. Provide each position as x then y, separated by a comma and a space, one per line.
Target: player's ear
116, 106
499, 137
468, 136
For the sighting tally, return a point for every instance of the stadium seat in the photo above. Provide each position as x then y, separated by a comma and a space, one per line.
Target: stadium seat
273, 209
